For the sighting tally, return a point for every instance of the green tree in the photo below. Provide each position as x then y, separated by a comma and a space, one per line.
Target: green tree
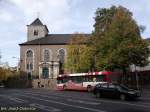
79, 56
121, 44
103, 19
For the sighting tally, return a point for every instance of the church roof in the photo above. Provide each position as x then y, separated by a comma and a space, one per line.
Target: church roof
52, 39
36, 22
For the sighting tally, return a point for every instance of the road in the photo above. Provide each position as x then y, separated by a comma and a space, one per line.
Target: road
42, 100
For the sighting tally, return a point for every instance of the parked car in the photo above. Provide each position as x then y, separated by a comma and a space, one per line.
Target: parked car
115, 91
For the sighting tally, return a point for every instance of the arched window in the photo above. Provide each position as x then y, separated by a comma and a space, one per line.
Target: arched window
61, 56
29, 54
29, 60
46, 55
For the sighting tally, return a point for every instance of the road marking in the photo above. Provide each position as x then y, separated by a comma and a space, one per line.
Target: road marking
71, 100
45, 108
100, 100
18, 100
83, 102
15, 99
74, 106
53, 97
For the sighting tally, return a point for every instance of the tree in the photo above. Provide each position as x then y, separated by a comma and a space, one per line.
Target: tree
103, 19
121, 44
79, 56
4, 74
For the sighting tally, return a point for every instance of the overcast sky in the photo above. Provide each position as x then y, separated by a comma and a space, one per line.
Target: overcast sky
60, 16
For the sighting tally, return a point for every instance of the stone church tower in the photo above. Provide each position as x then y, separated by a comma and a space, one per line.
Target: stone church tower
36, 30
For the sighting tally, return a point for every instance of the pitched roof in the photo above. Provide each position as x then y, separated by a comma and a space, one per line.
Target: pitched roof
52, 39
36, 22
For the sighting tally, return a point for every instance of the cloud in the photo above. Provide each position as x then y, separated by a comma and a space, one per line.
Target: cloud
16, 14
5, 16
61, 16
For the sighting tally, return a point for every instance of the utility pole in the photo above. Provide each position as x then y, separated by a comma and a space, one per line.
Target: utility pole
137, 78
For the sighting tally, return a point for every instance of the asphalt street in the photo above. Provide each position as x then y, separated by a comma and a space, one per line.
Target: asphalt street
41, 100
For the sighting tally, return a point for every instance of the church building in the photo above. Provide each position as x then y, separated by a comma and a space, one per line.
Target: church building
44, 54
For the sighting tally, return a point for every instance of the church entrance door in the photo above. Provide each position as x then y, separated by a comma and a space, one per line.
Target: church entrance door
45, 72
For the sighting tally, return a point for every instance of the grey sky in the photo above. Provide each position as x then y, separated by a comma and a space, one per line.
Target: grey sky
61, 16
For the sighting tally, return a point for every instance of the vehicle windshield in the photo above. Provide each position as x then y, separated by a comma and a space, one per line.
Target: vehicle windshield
124, 87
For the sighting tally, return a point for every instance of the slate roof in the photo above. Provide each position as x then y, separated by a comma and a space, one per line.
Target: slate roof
36, 22
52, 39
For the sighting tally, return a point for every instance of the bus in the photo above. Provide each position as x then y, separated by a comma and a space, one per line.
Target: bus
85, 81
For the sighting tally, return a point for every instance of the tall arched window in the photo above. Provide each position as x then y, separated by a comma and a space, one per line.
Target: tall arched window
61, 55
46, 55
29, 54
29, 60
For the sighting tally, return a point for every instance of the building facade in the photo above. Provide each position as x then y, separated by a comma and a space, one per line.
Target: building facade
44, 54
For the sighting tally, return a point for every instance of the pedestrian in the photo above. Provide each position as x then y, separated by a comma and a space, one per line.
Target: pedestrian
39, 84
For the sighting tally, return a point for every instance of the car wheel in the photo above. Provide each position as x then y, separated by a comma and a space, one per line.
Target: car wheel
98, 94
64, 87
89, 88
122, 97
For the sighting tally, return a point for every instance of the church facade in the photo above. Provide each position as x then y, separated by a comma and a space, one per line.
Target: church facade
44, 54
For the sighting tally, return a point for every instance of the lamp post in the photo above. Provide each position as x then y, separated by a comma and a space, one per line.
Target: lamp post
137, 78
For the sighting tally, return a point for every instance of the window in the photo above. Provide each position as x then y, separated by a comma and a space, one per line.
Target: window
61, 55
112, 86
46, 55
29, 54
29, 60
100, 78
77, 79
27, 66
104, 85
35, 32
31, 66
98, 85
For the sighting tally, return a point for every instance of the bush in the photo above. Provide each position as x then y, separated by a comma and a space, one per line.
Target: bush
18, 81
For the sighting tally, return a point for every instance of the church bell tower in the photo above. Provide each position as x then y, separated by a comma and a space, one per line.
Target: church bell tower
36, 30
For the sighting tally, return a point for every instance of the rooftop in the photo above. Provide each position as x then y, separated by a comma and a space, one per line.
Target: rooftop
52, 39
